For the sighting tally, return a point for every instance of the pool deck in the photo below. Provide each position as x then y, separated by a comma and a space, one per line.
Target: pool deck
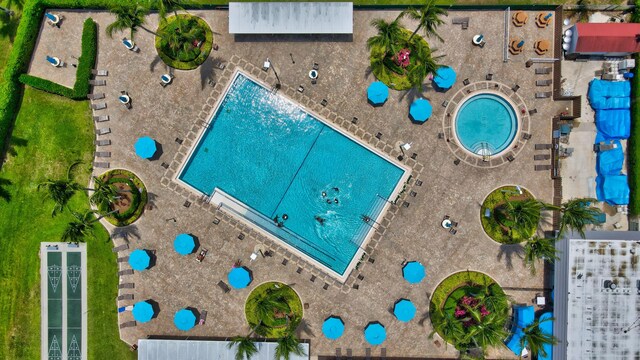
413, 232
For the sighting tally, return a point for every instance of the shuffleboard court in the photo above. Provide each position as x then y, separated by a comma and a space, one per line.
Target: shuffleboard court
64, 303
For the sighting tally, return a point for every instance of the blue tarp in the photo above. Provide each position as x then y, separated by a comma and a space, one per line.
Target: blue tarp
546, 327
609, 94
614, 124
610, 162
617, 103
613, 189
523, 317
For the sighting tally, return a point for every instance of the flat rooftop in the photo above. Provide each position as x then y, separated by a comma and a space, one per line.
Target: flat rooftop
603, 299
161, 349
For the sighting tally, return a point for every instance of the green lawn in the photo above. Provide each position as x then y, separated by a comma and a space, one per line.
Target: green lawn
51, 132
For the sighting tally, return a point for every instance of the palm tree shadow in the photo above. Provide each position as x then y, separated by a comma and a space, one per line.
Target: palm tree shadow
157, 60
304, 327
125, 233
151, 199
368, 71
4, 193
9, 26
207, 74
15, 143
423, 319
546, 217
508, 251
413, 94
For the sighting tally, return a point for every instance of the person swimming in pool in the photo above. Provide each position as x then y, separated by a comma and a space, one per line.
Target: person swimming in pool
328, 201
336, 189
324, 194
285, 217
335, 200
319, 219
276, 219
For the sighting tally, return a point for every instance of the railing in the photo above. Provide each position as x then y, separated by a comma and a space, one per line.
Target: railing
369, 220
507, 22
483, 148
232, 205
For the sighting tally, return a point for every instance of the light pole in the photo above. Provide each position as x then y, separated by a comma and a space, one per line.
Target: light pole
278, 84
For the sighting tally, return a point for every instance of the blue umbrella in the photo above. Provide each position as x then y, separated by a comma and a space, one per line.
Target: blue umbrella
184, 320
142, 311
145, 147
184, 244
420, 110
377, 93
374, 333
52, 60
404, 310
445, 77
239, 277
413, 272
139, 260
50, 16
127, 43
333, 327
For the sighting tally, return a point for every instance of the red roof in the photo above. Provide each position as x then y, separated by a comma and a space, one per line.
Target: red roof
607, 38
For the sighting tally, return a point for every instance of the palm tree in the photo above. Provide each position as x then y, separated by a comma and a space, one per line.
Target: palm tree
165, 6
103, 194
448, 326
130, 16
520, 215
388, 35
428, 64
287, 345
60, 191
428, 17
577, 214
538, 248
489, 332
245, 347
80, 228
535, 339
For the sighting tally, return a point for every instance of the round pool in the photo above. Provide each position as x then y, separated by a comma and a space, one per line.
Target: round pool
486, 124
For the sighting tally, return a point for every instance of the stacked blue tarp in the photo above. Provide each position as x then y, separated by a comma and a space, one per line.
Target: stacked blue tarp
610, 162
614, 124
522, 316
601, 91
613, 189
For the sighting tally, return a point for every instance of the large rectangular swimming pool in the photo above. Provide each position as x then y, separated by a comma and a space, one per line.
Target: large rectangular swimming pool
274, 158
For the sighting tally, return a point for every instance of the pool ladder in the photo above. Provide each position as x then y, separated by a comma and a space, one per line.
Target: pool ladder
483, 149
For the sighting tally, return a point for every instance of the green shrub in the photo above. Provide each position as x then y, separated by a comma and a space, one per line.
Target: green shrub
86, 63
633, 149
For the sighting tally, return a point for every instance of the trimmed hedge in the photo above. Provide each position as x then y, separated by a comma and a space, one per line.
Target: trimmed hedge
633, 148
86, 63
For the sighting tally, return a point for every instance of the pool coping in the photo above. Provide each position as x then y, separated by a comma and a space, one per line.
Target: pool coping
517, 144
348, 128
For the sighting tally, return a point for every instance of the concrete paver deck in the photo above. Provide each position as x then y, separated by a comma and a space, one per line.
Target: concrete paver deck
415, 232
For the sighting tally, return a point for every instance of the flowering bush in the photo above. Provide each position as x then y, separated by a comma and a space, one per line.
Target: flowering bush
466, 306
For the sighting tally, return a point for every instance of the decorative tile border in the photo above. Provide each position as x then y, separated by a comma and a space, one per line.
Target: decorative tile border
476, 160
308, 270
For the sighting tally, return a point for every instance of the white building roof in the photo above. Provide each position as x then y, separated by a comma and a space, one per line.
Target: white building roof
598, 315
161, 349
290, 18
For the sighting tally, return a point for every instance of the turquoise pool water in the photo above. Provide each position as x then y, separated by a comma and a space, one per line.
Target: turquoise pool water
269, 154
486, 124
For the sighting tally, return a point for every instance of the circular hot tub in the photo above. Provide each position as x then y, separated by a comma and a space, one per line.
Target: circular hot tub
486, 124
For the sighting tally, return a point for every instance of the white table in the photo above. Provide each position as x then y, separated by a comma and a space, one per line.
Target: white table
125, 99
313, 74
446, 223
477, 39
541, 301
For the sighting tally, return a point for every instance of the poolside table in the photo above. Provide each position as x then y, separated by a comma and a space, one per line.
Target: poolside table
446, 223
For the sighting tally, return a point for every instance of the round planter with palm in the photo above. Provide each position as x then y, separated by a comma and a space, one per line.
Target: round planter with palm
401, 58
184, 41
470, 310
510, 214
120, 196
273, 309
